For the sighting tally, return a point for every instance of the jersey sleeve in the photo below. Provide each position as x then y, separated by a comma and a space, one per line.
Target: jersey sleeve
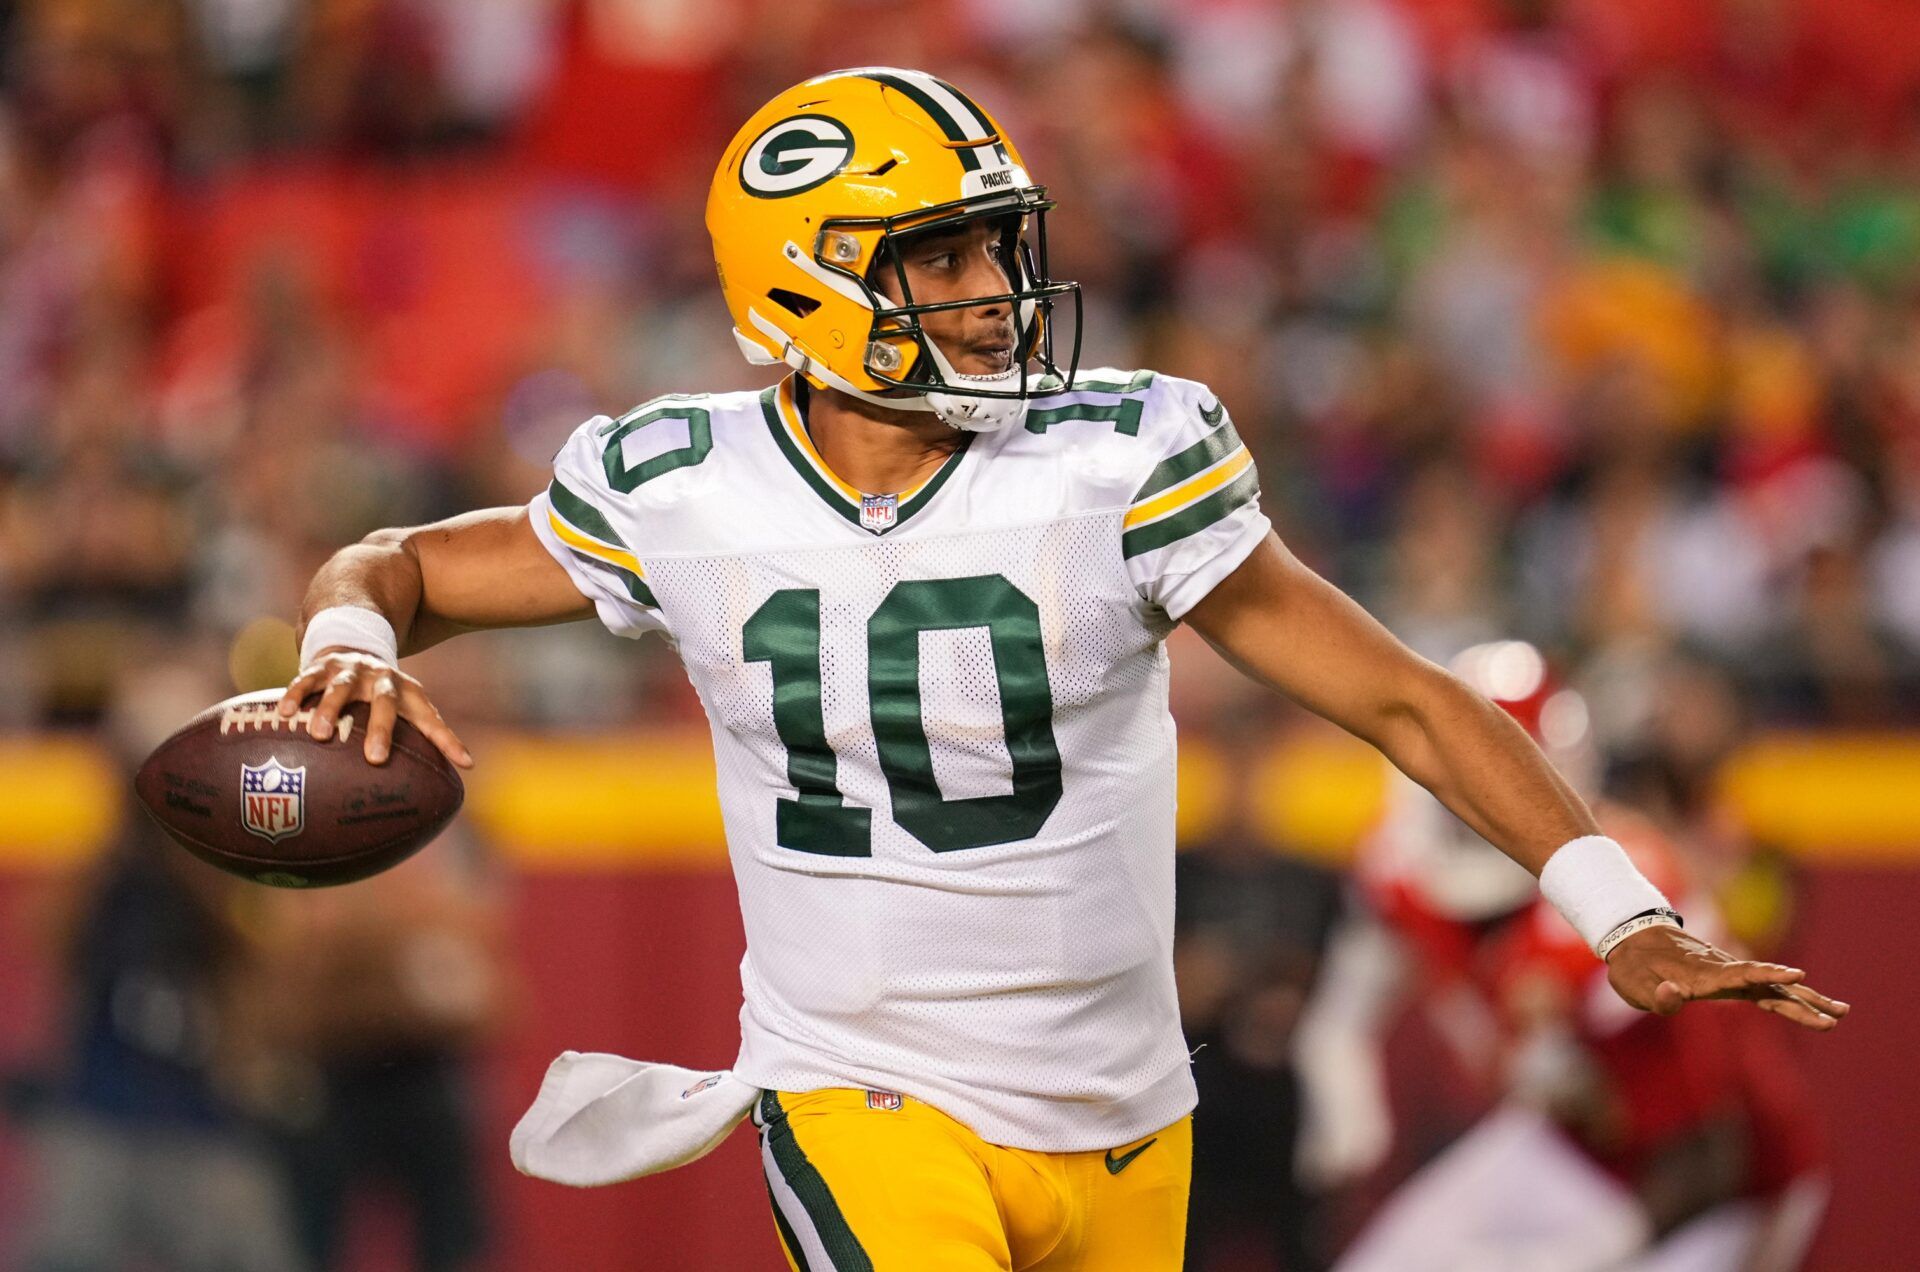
1196, 516
580, 520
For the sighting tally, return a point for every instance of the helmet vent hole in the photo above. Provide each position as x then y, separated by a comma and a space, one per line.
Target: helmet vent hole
793, 302
884, 168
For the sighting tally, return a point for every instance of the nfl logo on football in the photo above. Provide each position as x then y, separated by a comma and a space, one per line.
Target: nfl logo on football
273, 799
879, 512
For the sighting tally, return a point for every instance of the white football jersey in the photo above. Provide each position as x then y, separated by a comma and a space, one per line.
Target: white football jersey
946, 763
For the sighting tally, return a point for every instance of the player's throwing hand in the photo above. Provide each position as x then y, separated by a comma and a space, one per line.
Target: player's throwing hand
1662, 969
342, 676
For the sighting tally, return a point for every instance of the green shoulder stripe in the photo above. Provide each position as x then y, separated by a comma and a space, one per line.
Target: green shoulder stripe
1193, 518
636, 586
589, 521
582, 516
1203, 454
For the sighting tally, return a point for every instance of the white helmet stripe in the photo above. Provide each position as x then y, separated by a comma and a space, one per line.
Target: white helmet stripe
952, 111
969, 121
805, 262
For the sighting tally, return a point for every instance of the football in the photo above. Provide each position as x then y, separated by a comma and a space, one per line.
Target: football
247, 790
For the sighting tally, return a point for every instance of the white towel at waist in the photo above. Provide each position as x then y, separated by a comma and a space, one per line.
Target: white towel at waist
603, 1119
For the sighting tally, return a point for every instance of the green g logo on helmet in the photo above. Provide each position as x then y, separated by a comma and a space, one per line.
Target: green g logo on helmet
795, 155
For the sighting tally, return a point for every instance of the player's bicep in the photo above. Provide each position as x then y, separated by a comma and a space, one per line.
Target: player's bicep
1293, 631
489, 569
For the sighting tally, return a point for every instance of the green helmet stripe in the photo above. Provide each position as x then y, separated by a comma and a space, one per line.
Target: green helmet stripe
980, 116
946, 120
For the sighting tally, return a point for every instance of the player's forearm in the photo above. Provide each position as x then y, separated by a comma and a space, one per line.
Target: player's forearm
381, 573
1293, 631
478, 570
1482, 765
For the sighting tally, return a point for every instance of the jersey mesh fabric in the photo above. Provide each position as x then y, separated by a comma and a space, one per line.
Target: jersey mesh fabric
1023, 984
1025, 988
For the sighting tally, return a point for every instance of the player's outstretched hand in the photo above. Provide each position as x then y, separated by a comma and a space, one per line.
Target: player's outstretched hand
1663, 969
344, 676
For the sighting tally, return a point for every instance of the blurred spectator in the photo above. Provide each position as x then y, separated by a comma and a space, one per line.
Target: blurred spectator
149, 1151
144, 1158
1249, 929
378, 995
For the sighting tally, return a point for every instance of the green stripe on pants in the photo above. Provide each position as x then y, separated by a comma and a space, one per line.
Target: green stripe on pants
810, 1187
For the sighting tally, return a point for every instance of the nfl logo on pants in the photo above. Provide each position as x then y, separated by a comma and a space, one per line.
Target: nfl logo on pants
272, 799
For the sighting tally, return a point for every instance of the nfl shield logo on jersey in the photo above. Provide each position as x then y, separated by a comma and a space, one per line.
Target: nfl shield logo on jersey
879, 512
885, 1101
273, 799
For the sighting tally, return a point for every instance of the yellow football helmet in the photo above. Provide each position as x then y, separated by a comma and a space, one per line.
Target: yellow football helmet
801, 209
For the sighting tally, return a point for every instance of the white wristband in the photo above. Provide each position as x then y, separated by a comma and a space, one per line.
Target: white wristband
353, 627
1596, 888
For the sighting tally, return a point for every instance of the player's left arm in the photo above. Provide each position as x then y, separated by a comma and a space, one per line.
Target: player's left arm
1291, 630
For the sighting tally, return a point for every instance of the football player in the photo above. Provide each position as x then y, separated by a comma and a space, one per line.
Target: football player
923, 586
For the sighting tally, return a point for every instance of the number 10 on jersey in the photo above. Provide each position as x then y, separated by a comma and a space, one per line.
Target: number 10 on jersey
785, 632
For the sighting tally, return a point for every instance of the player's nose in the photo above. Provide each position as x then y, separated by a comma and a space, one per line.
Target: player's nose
985, 278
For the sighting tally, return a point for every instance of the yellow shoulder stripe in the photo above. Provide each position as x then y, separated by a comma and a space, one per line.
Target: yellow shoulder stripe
593, 547
1199, 486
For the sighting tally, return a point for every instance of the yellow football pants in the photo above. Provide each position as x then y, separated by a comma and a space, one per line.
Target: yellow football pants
869, 1182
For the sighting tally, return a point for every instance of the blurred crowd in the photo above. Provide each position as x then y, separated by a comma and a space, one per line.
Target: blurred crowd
1585, 322
1590, 323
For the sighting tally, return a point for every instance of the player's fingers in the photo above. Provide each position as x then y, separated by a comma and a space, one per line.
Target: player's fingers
1797, 1003
1746, 980
341, 689
380, 717
1669, 997
298, 688
1771, 974
424, 716
1798, 1012
1813, 998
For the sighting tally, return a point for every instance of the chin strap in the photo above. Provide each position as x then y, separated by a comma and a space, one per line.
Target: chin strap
976, 414
958, 411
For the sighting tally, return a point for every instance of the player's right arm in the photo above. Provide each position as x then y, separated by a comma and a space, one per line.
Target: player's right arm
478, 570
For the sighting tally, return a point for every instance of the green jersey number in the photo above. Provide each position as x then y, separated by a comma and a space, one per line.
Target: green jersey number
786, 633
